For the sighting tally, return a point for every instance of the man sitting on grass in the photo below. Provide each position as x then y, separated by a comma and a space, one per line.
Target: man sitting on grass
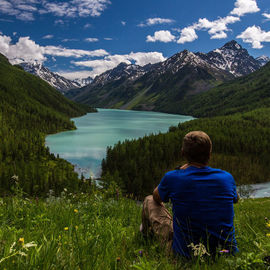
202, 203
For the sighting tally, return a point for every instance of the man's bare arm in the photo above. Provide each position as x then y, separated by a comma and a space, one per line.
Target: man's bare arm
156, 196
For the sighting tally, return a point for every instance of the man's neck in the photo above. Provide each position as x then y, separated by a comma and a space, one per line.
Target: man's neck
196, 164
193, 164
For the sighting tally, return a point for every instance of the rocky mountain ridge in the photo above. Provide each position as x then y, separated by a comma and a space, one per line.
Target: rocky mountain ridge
232, 57
54, 79
59, 82
263, 59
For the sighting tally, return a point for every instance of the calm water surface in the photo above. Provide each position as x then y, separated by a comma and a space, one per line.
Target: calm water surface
86, 146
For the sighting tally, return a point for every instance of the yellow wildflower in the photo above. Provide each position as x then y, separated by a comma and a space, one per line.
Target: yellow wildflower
76, 211
268, 224
76, 227
21, 241
268, 234
66, 228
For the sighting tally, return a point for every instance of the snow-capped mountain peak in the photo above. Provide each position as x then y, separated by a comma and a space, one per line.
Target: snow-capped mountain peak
55, 80
263, 59
83, 81
232, 57
123, 70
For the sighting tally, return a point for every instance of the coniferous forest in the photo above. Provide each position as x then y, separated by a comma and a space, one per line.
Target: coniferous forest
30, 109
240, 135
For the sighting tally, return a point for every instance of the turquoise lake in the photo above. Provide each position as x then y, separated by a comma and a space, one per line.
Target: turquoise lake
86, 146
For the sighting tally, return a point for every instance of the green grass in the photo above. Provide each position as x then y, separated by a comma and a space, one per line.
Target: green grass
100, 231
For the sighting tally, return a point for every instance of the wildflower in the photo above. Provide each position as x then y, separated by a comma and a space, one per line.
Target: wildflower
76, 211
268, 234
268, 224
15, 178
66, 228
224, 251
21, 241
199, 250
30, 244
140, 253
65, 189
76, 227
118, 259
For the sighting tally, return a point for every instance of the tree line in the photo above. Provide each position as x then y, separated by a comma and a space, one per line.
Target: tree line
240, 145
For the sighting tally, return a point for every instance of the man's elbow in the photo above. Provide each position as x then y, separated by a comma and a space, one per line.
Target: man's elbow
156, 196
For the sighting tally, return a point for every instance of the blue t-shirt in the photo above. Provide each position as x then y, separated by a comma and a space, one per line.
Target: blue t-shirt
202, 200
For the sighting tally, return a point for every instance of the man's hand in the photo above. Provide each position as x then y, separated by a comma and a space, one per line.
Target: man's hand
156, 196
238, 198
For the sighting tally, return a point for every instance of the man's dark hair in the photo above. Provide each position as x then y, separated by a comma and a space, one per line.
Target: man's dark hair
197, 147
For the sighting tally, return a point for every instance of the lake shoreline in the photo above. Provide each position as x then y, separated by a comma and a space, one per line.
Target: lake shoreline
101, 153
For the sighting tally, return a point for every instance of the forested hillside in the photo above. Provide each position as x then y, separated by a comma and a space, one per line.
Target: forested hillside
240, 146
239, 127
31, 108
240, 95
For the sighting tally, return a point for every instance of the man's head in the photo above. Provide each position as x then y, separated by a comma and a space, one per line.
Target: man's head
197, 147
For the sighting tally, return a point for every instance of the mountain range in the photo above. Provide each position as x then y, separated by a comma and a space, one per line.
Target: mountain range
54, 79
162, 86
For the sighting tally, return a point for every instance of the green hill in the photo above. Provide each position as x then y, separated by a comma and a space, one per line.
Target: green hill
240, 95
31, 108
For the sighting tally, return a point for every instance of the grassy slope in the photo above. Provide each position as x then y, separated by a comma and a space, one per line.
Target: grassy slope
102, 228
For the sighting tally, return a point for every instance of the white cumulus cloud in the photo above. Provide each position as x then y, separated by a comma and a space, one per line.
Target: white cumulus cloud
154, 21
71, 75
217, 29
267, 16
243, 7
99, 66
91, 39
188, 34
77, 53
162, 36
26, 50
26, 9
255, 35
47, 37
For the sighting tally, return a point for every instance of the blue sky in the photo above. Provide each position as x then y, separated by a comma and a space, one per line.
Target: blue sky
78, 38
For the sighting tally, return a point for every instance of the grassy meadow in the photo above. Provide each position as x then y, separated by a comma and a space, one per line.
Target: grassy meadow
100, 230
